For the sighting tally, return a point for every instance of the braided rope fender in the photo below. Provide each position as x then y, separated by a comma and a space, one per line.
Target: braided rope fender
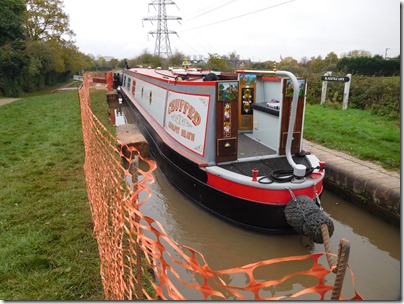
306, 218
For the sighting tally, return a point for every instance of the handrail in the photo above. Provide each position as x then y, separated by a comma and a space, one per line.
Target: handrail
299, 170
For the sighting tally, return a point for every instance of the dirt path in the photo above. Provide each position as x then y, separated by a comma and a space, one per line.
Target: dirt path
4, 101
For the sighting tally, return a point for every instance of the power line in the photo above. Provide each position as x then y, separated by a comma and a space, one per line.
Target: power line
211, 10
190, 46
243, 15
200, 45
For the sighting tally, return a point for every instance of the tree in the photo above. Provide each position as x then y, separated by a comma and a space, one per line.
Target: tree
331, 61
370, 66
75, 61
317, 65
176, 59
357, 53
303, 61
34, 49
233, 60
46, 64
113, 63
217, 63
146, 59
11, 21
45, 20
332, 58
290, 64
13, 60
288, 61
267, 65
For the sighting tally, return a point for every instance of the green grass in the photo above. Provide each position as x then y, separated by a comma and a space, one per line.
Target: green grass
99, 106
51, 89
47, 251
357, 132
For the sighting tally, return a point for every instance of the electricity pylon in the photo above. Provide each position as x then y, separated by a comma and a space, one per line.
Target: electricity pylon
162, 46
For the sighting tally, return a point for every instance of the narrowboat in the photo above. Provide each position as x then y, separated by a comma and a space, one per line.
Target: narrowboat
231, 142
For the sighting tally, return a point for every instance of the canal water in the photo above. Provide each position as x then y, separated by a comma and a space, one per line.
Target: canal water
375, 254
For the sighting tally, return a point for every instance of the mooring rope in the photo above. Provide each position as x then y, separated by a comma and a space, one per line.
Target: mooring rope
283, 175
327, 246
343, 256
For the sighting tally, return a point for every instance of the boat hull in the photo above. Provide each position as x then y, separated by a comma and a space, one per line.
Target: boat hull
191, 180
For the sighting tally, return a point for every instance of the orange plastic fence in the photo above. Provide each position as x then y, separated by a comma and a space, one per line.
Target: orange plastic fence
102, 77
140, 261
109, 81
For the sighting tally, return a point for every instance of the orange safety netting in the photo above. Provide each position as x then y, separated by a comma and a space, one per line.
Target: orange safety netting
140, 261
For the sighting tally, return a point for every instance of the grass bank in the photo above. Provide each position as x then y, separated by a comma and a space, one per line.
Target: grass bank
356, 132
47, 251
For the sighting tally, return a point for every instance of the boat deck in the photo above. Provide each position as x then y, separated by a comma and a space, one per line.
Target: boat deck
265, 166
248, 147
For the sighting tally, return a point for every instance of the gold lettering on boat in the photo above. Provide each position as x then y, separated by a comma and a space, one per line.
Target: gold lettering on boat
173, 127
181, 121
180, 105
188, 135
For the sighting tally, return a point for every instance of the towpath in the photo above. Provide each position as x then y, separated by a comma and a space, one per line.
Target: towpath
4, 101
365, 183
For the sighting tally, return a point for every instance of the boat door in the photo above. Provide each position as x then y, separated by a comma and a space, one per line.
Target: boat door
227, 95
246, 100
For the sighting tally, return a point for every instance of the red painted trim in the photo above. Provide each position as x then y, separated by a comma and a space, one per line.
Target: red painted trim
196, 83
265, 196
274, 79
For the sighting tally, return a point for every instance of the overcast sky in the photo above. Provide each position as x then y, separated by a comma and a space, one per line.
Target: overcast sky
259, 30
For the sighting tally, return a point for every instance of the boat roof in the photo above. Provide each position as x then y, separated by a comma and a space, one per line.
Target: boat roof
180, 74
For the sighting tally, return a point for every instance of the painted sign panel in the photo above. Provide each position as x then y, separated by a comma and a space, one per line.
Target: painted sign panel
335, 78
247, 97
289, 88
228, 91
248, 79
186, 119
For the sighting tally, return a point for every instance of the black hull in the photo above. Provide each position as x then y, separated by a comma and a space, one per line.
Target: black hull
187, 177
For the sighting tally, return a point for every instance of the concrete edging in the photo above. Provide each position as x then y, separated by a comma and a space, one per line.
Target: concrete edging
369, 194
363, 183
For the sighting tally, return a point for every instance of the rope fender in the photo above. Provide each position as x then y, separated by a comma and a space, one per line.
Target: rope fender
306, 218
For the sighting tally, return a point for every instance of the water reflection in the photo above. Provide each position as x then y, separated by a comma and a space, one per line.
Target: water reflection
374, 255
380, 234
116, 112
375, 248
375, 245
